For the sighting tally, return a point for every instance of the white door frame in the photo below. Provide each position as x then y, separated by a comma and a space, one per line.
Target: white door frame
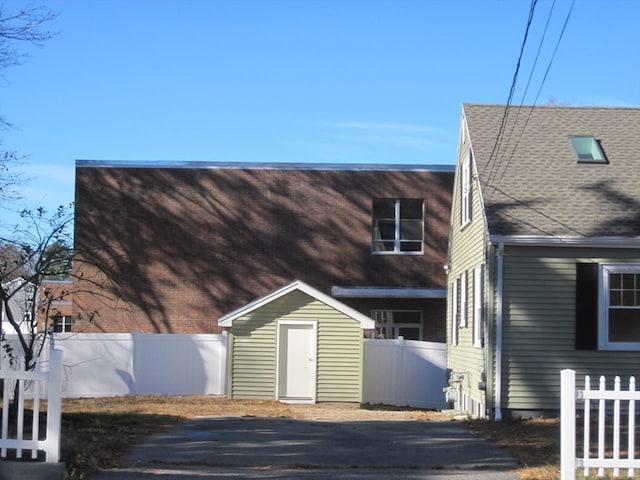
313, 359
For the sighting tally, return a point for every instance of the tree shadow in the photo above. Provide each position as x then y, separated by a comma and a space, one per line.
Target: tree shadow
183, 246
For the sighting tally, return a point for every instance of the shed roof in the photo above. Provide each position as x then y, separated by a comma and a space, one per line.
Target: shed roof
365, 322
532, 183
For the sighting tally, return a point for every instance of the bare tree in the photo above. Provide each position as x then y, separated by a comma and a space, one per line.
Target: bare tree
34, 253
17, 26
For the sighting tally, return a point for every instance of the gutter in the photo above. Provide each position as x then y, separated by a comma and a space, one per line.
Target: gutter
498, 379
548, 241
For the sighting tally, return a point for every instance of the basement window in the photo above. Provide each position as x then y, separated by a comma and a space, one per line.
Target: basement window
587, 149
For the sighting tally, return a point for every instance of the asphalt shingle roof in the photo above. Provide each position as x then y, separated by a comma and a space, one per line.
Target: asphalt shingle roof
532, 183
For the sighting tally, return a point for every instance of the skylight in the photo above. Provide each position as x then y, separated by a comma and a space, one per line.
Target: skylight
587, 149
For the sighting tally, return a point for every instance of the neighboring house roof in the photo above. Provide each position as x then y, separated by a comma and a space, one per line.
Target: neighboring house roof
227, 320
532, 183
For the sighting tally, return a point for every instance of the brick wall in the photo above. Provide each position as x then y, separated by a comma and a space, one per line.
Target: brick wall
182, 246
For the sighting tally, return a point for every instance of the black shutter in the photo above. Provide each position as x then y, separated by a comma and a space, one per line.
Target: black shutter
586, 306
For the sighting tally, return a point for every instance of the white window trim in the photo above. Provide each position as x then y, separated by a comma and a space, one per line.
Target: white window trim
463, 300
454, 312
397, 242
66, 323
603, 315
477, 306
396, 326
465, 196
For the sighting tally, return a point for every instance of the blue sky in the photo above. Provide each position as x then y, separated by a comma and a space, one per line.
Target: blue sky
331, 81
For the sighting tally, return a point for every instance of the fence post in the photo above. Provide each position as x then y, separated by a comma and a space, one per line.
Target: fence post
54, 407
567, 424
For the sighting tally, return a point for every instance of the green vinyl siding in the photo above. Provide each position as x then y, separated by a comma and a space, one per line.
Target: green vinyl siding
340, 359
339, 349
539, 325
466, 251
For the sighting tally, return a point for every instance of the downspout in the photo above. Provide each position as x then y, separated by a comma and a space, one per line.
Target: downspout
498, 379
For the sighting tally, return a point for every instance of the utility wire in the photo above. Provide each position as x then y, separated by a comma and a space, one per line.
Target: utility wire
539, 212
526, 90
544, 78
496, 145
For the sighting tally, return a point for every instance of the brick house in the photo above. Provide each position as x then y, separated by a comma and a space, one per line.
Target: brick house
55, 309
173, 246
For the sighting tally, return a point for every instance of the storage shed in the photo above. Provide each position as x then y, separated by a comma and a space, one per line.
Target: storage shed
296, 345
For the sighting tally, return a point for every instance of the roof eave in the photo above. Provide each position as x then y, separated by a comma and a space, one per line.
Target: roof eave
556, 241
388, 292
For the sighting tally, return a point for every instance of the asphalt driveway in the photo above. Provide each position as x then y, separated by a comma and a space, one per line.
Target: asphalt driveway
279, 448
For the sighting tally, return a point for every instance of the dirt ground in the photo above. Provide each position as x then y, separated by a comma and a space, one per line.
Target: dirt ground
356, 412
197, 406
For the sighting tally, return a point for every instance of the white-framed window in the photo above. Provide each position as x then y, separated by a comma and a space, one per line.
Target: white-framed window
62, 323
463, 300
619, 312
477, 306
465, 191
398, 323
454, 311
397, 226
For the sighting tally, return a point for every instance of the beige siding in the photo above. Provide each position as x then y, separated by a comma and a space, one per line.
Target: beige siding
466, 251
539, 326
339, 355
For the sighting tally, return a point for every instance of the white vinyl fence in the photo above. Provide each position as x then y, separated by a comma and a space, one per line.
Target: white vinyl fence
104, 364
618, 403
395, 372
404, 373
41, 384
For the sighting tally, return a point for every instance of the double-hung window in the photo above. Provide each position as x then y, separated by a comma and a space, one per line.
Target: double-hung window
619, 322
397, 226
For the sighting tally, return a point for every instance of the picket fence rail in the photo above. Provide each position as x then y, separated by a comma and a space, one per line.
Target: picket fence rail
40, 384
620, 399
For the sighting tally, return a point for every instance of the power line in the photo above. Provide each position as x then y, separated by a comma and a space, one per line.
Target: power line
515, 122
496, 145
544, 78
539, 212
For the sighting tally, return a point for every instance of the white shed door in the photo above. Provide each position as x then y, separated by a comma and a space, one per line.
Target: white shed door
297, 362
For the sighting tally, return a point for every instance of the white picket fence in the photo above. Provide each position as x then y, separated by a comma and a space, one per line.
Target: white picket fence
603, 400
40, 384
404, 373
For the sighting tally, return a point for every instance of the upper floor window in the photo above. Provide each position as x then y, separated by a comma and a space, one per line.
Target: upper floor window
465, 192
397, 226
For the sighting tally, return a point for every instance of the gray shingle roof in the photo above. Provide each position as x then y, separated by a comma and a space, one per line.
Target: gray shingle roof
532, 183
